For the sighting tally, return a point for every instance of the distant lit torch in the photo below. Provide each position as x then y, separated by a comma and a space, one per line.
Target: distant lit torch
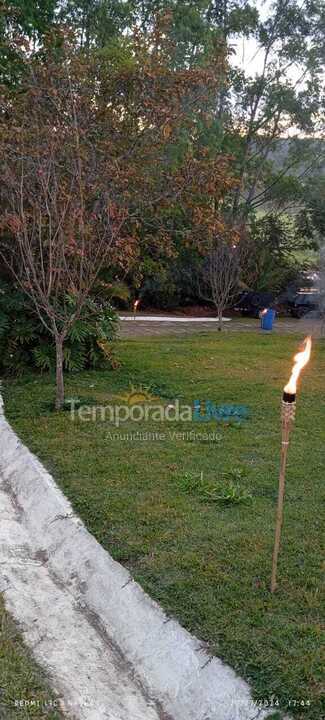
288, 417
135, 307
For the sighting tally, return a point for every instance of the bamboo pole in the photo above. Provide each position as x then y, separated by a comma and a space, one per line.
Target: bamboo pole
288, 415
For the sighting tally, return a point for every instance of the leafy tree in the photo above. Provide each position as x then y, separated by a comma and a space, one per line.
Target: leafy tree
89, 145
247, 115
260, 115
272, 245
321, 288
96, 22
313, 192
23, 24
286, 94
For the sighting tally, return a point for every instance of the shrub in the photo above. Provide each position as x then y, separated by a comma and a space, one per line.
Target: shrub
25, 342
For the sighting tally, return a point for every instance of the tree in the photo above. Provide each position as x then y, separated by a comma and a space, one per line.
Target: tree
96, 22
221, 275
63, 221
321, 288
276, 251
313, 191
89, 144
275, 106
22, 27
269, 113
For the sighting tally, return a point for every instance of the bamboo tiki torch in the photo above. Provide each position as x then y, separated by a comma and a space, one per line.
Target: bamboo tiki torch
287, 418
135, 307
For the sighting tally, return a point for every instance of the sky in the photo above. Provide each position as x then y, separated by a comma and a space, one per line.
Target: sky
249, 57
247, 54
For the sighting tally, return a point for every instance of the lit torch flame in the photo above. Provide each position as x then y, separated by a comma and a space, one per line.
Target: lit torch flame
300, 360
263, 312
136, 303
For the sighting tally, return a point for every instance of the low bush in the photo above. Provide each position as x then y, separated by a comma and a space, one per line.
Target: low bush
25, 341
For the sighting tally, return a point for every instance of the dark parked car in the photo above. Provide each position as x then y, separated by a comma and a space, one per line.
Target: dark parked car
251, 303
303, 303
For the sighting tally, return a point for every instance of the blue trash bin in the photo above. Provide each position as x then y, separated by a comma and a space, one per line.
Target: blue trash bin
267, 319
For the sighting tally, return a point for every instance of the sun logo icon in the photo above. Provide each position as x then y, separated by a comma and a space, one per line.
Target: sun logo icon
137, 396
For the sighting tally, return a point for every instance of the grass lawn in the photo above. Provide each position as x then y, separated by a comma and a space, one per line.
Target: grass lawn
21, 679
207, 563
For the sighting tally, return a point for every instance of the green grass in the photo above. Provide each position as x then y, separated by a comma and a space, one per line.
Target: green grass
207, 562
21, 680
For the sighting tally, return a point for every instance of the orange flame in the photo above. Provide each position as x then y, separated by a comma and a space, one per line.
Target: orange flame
136, 303
263, 312
300, 360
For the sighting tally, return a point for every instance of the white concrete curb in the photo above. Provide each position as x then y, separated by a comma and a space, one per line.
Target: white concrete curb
172, 319
176, 676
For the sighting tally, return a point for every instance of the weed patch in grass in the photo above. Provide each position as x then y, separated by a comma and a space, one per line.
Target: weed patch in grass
223, 493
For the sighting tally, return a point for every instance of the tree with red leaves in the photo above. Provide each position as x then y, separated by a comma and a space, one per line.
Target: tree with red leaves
88, 144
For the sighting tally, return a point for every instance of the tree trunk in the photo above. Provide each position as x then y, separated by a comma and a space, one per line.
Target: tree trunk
59, 399
219, 320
